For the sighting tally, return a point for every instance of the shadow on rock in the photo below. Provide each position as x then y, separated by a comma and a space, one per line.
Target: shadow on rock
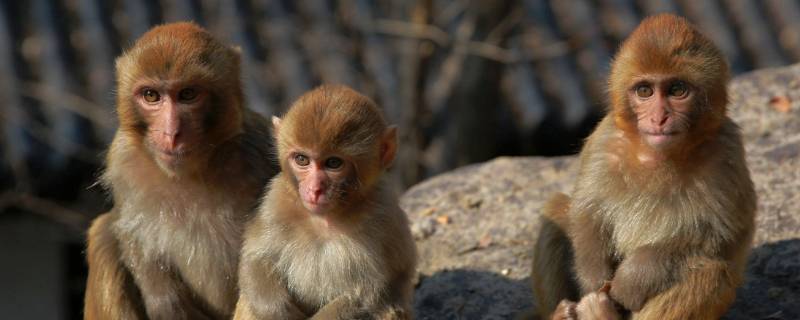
470, 294
772, 284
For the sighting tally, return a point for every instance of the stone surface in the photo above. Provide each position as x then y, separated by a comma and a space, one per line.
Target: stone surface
475, 225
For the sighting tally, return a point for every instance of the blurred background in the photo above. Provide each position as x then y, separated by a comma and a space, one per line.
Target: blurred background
466, 81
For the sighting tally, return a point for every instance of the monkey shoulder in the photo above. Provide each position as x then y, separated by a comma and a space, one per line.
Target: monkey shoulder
249, 153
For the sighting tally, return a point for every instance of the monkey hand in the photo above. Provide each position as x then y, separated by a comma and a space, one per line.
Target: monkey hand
565, 311
596, 306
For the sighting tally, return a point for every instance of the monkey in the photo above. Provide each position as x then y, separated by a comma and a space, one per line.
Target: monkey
186, 169
329, 240
664, 207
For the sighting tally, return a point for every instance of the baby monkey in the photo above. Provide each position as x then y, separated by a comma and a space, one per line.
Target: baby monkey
329, 240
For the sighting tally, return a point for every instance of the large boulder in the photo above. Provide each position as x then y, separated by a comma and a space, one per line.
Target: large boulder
475, 226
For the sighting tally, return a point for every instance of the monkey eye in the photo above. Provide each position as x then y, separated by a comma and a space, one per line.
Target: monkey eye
678, 89
334, 163
151, 95
301, 160
187, 94
644, 91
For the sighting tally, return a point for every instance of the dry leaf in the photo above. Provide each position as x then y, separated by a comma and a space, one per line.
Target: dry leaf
781, 104
427, 212
443, 219
485, 241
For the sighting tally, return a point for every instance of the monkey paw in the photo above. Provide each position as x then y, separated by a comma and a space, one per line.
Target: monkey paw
596, 306
565, 311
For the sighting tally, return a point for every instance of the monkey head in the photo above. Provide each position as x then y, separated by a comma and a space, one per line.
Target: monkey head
179, 94
668, 85
334, 143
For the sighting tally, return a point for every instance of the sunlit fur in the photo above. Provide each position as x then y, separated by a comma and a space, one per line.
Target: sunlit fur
170, 245
671, 231
358, 262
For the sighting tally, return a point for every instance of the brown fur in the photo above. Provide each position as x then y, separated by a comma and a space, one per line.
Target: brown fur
354, 260
169, 247
670, 229
553, 239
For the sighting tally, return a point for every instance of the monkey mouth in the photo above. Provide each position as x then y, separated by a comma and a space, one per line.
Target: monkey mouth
171, 156
656, 139
317, 206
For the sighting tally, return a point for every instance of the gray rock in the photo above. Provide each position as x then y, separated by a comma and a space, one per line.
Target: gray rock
475, 225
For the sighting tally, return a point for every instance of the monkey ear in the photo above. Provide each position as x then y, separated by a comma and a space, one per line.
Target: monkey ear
388, 146
276, 125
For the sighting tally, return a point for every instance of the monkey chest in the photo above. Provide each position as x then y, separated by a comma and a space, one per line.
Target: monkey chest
331, 269
200, 245
687, 219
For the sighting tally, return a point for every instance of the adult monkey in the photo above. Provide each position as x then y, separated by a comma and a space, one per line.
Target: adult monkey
664, 207
185, 169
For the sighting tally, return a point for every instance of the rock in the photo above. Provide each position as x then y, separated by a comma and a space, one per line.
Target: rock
477, 265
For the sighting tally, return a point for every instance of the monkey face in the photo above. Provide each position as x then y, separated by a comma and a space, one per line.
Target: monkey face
323, 180
173, 117
663, 107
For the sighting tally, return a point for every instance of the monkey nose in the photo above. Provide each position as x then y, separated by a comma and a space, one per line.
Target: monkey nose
169, 140
317, 193
659, 120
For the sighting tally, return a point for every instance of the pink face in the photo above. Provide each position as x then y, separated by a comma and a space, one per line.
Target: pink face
323, 179
662, 106
175, 116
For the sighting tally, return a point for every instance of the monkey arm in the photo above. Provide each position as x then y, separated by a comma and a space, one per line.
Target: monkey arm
352, 307
343, 307
642, 275
393, 303
110, 293
593, 259
704, 290
263, 293
163, 293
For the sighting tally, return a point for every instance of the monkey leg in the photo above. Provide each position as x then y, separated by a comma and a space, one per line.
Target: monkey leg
706, 291
553, 280
110, 291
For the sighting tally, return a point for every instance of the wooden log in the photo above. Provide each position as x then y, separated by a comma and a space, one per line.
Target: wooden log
558, 74
577, 21
414, 59
101, 49
618, 18
519, 85
285, 56
184, 10
141, 15
239, 26
708, 16
69, 132
653, 7
325, 46
377, 59
754, 33
475, 125
20, 149
786, 16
